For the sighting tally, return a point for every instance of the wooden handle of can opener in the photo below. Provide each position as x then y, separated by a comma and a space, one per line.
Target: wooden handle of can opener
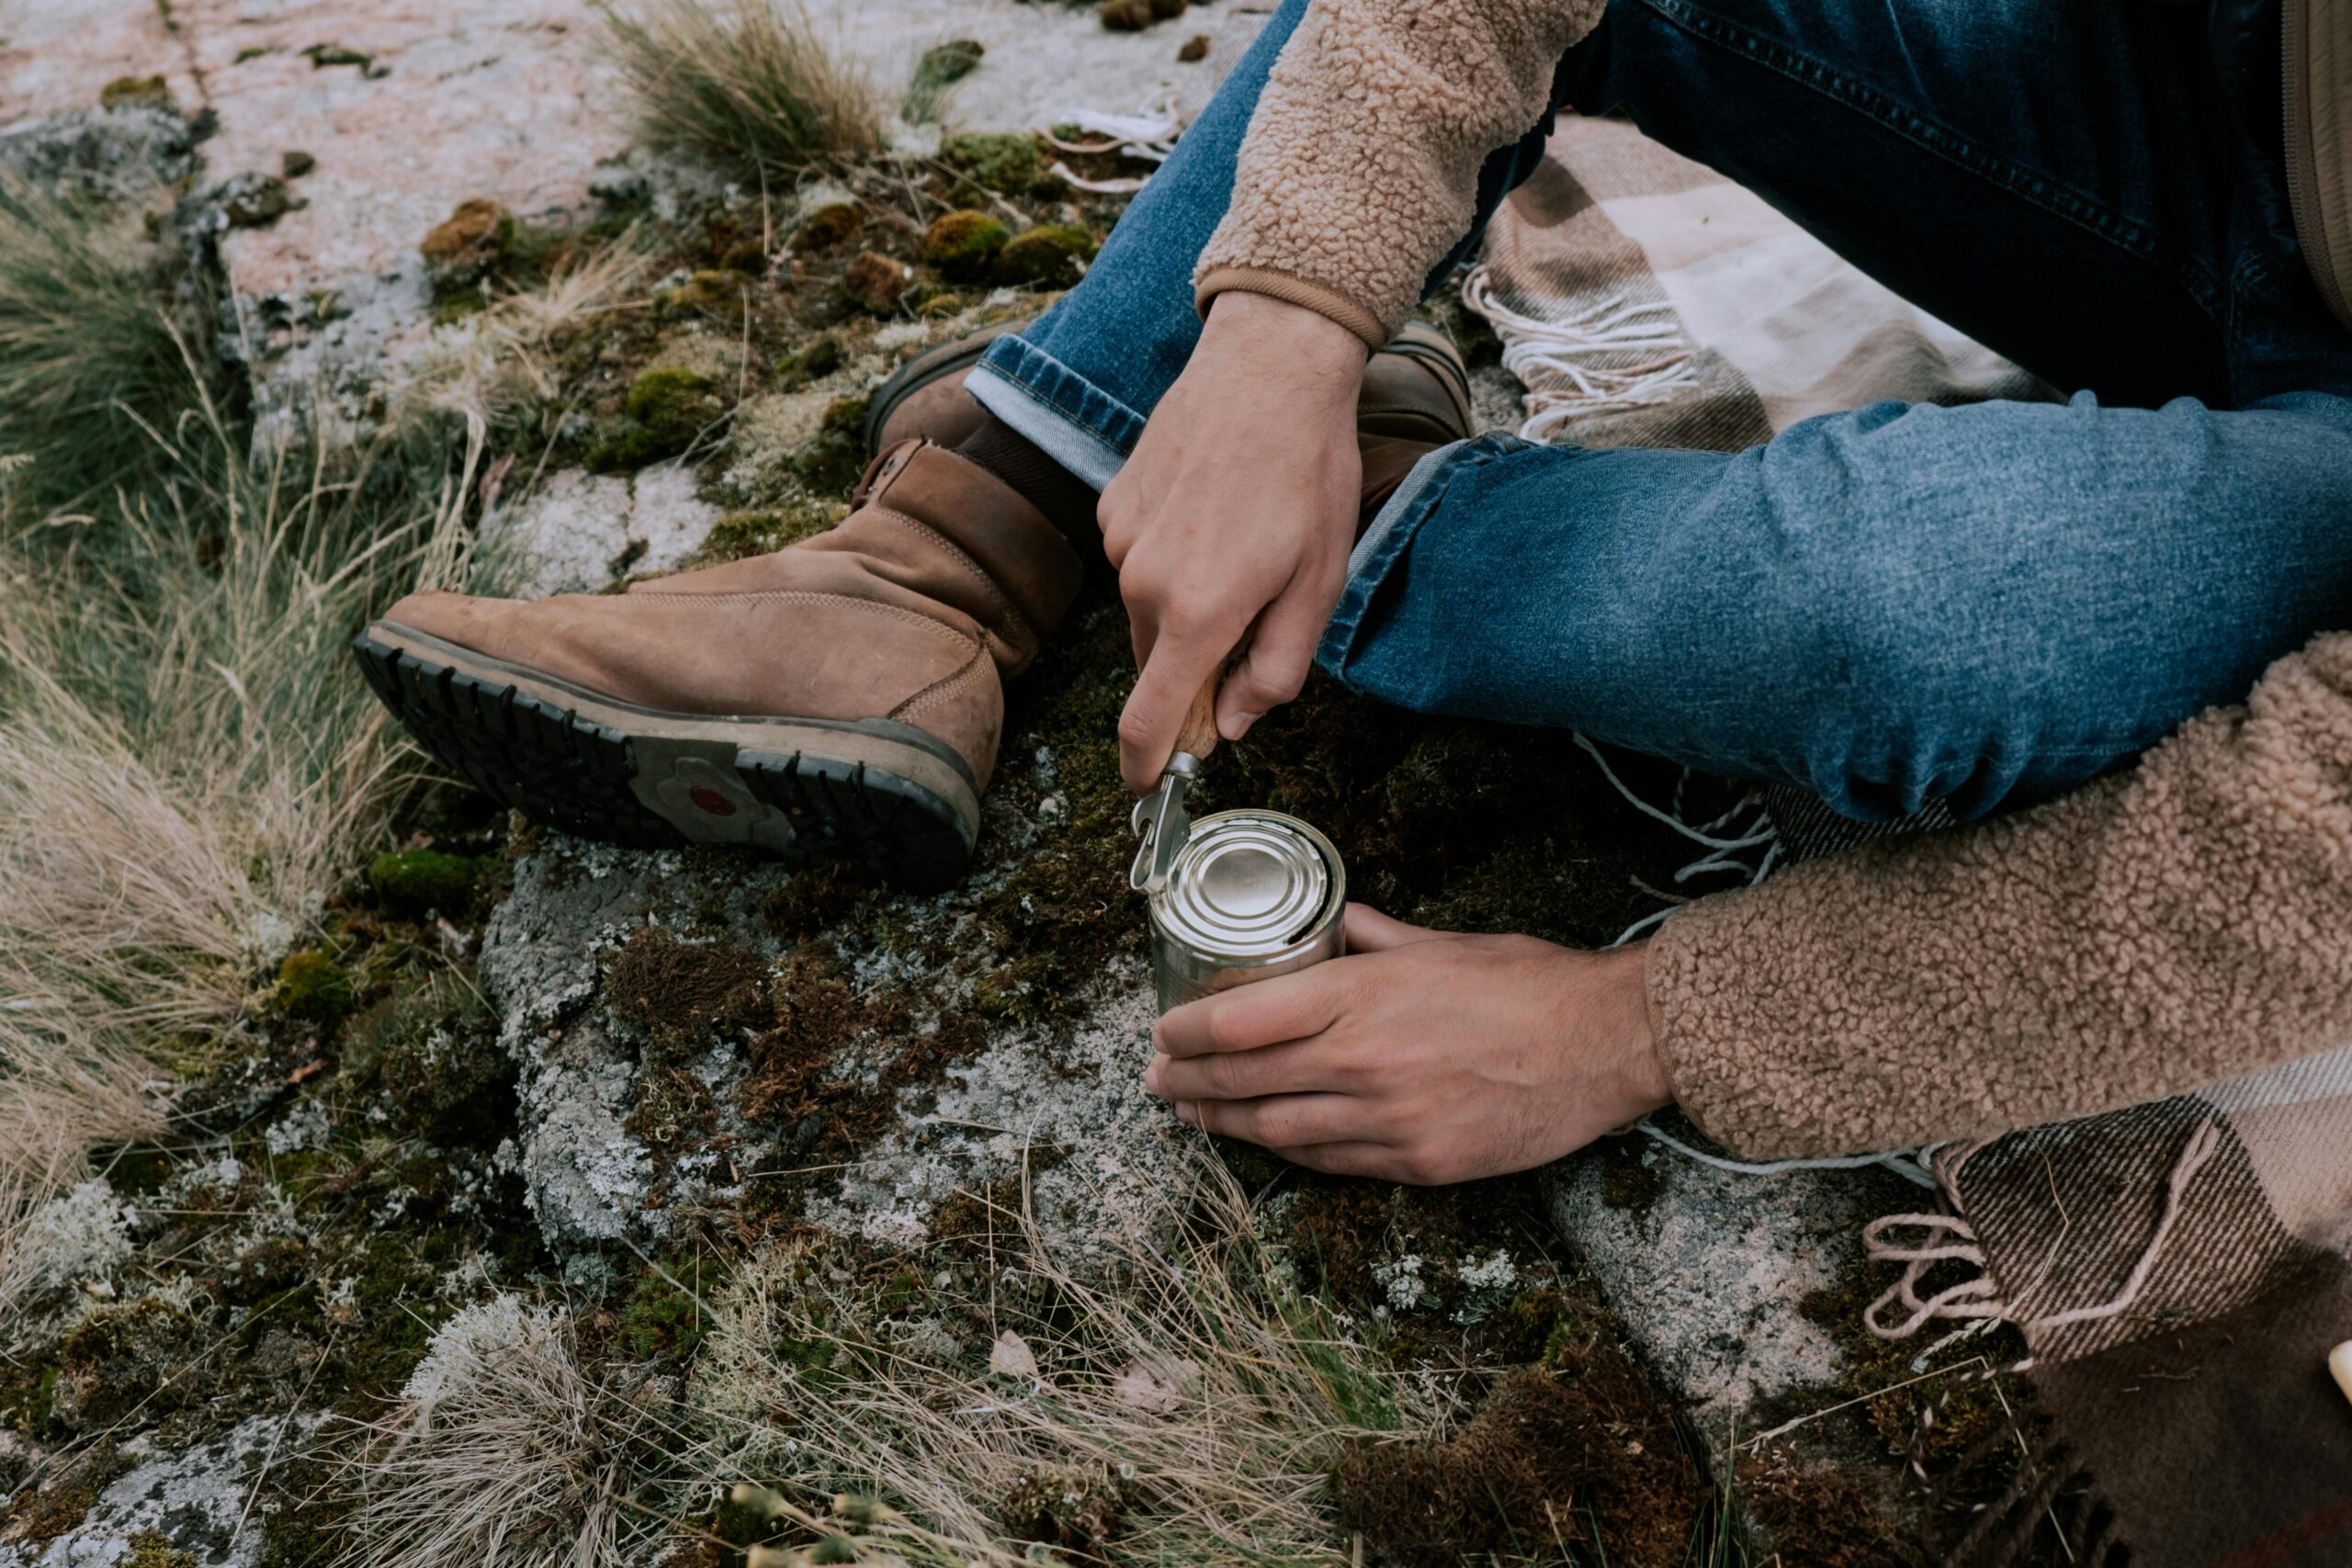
1199, 734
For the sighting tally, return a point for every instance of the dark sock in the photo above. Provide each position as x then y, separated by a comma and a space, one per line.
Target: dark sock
1067, 501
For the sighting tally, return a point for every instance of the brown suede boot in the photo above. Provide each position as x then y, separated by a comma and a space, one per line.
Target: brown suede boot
839, 698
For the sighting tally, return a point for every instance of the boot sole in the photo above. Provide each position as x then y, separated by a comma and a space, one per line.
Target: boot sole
873, 792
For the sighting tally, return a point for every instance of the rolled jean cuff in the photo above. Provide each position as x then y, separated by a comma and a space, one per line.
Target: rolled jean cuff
1384, 544
1060, 412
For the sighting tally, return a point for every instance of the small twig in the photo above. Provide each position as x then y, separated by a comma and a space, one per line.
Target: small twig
1787, 1427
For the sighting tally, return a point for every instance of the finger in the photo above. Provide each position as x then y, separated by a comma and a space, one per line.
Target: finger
1376, 1160
1299, 1066
1282, 1121
1174, 667
1368, 930
1274, 670
1288, 1007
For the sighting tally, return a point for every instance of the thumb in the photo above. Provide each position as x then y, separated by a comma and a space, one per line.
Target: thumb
1368, 930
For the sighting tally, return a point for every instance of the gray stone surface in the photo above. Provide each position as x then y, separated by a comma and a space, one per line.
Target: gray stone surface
578, 531
574, 904
195, 1500
1707, 1267
1074, 1111
507, 99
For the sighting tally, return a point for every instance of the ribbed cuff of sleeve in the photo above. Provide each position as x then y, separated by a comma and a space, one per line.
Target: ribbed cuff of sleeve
1315, 297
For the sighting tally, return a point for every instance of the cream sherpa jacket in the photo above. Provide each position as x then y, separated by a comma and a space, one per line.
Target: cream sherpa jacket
2154, 931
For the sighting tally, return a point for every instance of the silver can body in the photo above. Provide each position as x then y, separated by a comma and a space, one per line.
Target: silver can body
1252, 895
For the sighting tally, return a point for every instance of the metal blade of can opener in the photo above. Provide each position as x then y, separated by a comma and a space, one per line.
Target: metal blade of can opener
1159, 817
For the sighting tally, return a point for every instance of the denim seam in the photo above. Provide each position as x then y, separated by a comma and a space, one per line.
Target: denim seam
1891, 114
1051, 400
1391, 532
1046, 398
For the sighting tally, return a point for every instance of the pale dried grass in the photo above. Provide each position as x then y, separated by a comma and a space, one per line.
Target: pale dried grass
496, 367
746, 85
502, 1452
1187, 1365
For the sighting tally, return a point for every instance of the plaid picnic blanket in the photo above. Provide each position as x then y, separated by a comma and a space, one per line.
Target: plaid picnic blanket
2179, 1272
1644, 300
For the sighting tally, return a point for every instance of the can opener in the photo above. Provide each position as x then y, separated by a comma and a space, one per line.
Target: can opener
1159, 817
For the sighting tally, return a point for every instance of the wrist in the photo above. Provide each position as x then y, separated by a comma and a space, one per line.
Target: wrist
1636, 1025
1306, 341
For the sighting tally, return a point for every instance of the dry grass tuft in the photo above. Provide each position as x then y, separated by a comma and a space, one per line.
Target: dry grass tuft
502, 1452
90, 367
188, 761
746, 85
1186, 1404
495, 366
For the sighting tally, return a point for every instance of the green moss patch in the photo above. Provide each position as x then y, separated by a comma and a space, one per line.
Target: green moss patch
999, 163
963, 245
138, 92
738, 535
1051, 257
666, 412
420, 881
313, 987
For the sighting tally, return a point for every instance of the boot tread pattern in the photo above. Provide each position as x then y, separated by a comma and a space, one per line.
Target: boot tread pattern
573, 774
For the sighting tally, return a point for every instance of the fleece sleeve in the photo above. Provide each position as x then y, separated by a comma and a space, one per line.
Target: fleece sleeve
1361, 165
2188, 922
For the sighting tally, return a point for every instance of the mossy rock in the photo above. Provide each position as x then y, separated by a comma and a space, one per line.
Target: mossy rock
463, 247
831, 463
712, 293
1004, 162
666, 409
873, 282
313, 987
421, 881
126, 1357
138, 92
150, 1548
829, 228
817, 359
1127, 15
962, 246
436, 1056
1053, 256
670, 403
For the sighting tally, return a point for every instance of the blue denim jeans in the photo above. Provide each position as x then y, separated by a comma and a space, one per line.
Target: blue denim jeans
1984, 605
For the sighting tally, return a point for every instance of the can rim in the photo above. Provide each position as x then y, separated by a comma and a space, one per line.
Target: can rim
1169, 917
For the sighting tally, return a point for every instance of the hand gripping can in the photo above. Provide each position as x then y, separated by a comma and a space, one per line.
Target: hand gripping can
1251, 894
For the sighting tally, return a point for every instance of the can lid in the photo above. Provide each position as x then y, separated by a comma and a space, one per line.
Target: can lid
1248, 884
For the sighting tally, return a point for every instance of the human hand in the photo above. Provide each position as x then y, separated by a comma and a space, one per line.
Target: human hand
1233, 520
1422, 1056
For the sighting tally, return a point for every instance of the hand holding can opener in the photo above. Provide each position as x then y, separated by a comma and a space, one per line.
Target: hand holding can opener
1161, 816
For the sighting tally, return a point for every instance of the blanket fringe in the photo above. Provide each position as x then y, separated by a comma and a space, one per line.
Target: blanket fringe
1577, 365
1948, 1238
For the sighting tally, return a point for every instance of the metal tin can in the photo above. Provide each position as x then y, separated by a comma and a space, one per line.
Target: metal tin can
1251, 894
